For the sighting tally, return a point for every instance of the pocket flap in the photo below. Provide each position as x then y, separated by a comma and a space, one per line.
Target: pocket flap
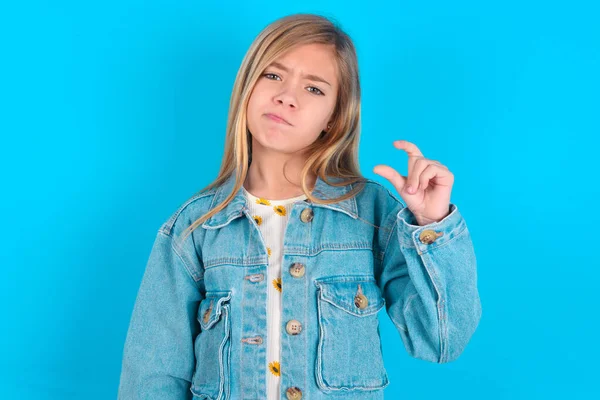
211, 307
341, 291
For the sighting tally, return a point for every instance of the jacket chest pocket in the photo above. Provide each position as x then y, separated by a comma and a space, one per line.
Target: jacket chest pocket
349, 353
212, 346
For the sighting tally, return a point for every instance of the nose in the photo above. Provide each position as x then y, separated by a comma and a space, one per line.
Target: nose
286, 97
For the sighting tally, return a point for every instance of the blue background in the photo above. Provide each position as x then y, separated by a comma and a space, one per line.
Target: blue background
114, 113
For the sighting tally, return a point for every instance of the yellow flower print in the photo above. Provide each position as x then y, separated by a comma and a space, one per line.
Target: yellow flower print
262, 201
258, 219
274, 368
279, 210
268, 250
277, 284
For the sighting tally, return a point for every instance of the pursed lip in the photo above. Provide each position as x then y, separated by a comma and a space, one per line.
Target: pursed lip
277, 117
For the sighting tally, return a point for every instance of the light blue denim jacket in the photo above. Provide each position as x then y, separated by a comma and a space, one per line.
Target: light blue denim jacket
198, 327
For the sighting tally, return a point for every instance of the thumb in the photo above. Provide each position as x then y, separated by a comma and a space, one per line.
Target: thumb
391, 175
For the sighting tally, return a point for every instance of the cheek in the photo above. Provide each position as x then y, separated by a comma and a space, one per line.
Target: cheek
256, 103
252, 102
252, 111
319, 115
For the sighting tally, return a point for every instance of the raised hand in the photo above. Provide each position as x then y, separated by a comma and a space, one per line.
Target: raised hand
426, 190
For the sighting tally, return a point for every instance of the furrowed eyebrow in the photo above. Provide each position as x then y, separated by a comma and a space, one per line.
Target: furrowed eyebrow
308, 76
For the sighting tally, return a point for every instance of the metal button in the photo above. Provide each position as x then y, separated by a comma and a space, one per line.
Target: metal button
293, 327
429, 236
297, 270
361, 301
307, 215
206, 315
293, 393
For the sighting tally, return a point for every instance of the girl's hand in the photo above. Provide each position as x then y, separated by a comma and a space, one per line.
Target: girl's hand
432, 180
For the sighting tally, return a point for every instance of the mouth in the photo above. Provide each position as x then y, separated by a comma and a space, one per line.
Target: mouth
277, 118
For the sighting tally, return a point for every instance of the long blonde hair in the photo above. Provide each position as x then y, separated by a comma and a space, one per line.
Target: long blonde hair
335, 152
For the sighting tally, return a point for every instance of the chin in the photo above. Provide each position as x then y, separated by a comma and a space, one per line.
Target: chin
274, 133
277, 142
269, 138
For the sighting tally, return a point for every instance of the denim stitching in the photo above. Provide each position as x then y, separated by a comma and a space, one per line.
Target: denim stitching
187, 269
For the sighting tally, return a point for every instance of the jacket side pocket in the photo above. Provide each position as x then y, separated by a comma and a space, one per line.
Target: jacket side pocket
211, 379
349, 355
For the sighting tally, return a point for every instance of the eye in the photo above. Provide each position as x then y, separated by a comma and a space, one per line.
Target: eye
317, 91
269, 75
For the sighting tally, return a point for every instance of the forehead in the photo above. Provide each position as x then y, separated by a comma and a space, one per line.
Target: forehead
317, 59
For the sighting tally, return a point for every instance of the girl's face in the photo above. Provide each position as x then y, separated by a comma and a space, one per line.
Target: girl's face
301, 87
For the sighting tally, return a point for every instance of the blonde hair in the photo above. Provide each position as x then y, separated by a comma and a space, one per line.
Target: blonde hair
335, 152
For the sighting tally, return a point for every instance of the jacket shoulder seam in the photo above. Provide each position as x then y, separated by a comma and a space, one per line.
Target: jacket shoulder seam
185, 265
167, 227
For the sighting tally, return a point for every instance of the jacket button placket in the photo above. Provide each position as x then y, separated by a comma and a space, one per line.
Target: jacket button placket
255, 320
293, 327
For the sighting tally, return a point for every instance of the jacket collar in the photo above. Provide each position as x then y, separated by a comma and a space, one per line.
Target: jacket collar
238, 205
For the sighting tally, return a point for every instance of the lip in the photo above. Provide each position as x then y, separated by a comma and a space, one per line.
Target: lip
277, 118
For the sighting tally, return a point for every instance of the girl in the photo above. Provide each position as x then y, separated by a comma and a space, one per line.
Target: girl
268, 282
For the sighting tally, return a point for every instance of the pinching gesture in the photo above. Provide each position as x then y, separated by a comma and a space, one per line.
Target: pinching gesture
426, 190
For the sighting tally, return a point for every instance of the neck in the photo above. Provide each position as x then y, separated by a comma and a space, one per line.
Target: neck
265, 176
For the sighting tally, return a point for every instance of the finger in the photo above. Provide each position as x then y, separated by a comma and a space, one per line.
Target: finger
410, 148
411, 164
413, 177
412, 151
429, 173
391, 175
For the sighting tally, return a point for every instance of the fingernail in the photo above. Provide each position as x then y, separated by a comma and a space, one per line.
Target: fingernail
409, 189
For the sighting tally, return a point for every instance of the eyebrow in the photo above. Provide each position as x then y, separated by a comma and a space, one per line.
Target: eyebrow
308, 76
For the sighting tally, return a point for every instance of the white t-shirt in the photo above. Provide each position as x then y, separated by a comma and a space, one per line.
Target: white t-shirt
271, 217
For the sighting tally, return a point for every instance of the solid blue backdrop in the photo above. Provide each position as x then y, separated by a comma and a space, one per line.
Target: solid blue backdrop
114, 113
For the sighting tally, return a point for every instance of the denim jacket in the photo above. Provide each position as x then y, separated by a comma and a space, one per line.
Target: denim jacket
198, 326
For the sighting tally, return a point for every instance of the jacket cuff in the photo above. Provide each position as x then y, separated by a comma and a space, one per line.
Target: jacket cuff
427, 237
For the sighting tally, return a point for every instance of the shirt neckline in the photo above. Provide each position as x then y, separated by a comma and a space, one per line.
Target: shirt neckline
281, 201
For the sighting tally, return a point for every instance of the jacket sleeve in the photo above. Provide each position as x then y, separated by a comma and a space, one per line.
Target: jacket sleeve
430, 287
158, 356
